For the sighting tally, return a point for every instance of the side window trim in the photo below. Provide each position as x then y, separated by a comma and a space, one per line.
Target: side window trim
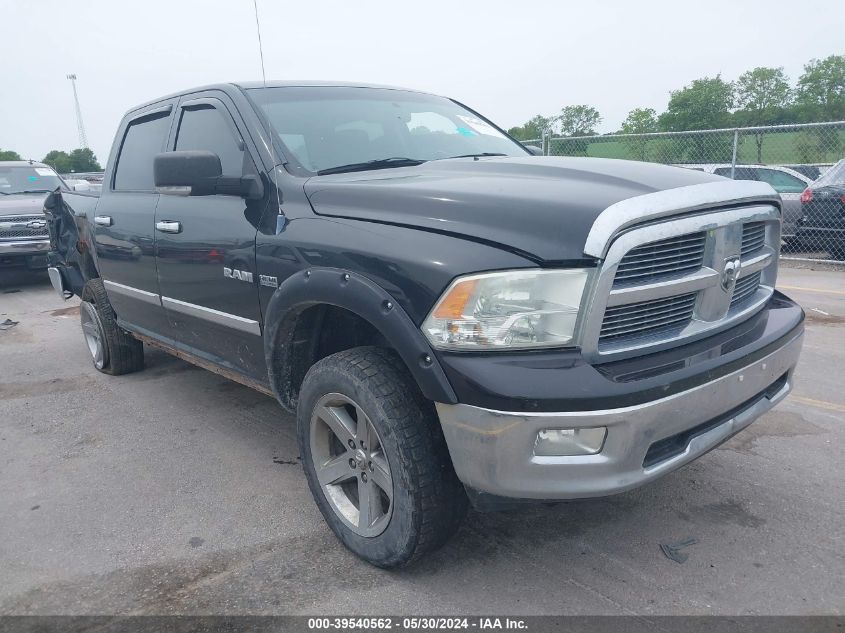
152, 113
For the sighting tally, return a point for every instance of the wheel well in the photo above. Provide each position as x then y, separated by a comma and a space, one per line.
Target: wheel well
309, 336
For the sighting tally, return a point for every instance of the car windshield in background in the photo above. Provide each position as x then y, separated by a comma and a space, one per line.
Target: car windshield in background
329, 128
27, 179
833, 176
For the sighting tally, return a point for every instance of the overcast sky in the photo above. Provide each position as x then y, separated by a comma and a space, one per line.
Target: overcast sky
507, 59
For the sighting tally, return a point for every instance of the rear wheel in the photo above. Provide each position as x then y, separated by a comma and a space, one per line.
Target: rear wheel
113, 350
375, 457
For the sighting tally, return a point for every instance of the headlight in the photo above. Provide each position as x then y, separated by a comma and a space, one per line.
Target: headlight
516, 309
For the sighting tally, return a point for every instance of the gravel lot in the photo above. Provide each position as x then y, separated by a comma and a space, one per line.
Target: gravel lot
177, 491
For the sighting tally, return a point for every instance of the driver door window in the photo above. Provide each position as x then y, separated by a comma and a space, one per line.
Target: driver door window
205, 128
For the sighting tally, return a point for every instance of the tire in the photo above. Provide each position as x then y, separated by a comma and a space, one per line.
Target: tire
113, 350
403, 449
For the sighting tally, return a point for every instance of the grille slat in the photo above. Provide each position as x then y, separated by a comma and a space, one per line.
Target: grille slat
647, 317
683, 252
658, 271
621, 324
745, 288
643, 308
753, 238
655, 327
665, 257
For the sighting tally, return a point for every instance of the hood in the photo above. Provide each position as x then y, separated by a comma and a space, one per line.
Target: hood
22, 204
541, 207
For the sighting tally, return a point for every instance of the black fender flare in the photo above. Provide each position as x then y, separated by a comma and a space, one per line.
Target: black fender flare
363, 297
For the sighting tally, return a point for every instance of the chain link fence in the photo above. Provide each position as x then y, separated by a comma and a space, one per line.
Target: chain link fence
799, 161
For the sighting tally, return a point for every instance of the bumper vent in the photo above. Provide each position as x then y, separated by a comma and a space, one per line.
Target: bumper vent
647, 318
672, 256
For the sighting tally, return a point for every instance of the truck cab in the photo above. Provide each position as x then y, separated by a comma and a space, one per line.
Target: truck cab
452, 319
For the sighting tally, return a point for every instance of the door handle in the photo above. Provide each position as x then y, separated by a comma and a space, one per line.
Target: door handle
167, 226
103, 220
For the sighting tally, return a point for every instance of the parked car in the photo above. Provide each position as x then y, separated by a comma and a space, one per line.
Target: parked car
451, 318
85, 181
811, 171
787, 182
822, 223
23, 228
77, 184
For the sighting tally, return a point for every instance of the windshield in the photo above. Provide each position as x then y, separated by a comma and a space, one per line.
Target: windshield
27, 179
833, 176
329, 127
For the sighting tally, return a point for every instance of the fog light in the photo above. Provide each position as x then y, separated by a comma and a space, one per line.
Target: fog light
560, 442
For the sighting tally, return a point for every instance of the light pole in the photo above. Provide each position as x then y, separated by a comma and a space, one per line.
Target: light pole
80, 126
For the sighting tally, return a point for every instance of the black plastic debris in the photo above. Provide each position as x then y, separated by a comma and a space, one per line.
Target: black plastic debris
8, 324
672, 551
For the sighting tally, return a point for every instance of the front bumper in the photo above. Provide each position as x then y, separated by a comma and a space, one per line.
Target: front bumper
493, 451
25, 248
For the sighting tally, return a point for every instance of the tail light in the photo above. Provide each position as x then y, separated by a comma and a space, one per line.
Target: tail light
807, 196
843, 198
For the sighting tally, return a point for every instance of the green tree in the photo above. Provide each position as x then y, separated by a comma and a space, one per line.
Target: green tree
83, 159
531, 129
703, 105
763, 96
79, 160
7, 154
58, 160
639, 121
821, 90
578, 120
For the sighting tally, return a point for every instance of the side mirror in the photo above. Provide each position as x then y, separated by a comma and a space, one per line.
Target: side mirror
198, 173
536, 151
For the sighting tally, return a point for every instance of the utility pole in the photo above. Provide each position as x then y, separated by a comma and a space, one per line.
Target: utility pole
80, 127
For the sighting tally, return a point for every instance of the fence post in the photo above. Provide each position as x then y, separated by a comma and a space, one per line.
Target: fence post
733, 154
545, 143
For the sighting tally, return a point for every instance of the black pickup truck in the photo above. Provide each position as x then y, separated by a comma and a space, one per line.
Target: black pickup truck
453, 319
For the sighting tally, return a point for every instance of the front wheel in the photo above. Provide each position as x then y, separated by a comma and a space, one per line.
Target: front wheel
375, 457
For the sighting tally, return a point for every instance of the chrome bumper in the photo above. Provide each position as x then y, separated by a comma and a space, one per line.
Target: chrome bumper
493, 451
25, 247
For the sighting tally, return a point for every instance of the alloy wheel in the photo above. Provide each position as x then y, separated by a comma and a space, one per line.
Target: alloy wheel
351, 465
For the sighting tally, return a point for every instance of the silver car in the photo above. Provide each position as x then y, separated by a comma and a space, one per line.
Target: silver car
787, 182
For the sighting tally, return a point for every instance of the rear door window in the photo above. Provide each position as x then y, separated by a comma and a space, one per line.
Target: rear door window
740, 173
781, 181
144, 138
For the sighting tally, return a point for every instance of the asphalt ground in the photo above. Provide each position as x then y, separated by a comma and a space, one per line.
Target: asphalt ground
176, 491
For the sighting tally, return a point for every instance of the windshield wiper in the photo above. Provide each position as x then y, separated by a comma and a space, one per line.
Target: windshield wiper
381, 163
29, 191
479, 155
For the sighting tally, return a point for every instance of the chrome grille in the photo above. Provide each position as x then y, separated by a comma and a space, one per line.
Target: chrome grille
753, 237
664, 283
15, 227
745, 288
672, 256
647, 318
